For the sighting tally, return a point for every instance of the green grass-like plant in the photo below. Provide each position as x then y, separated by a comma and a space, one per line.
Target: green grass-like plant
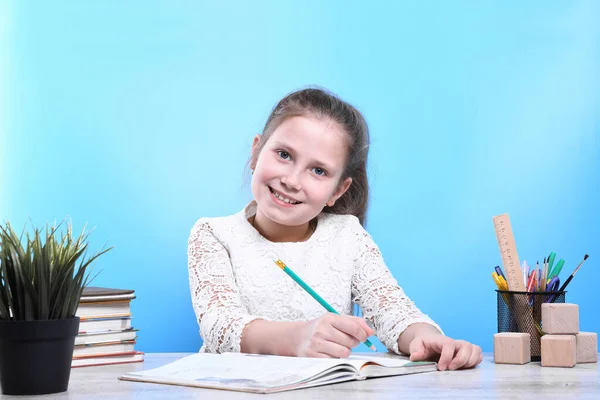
43, 276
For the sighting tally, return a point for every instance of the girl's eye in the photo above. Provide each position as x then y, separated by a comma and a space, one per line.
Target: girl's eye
284, 154
319, 171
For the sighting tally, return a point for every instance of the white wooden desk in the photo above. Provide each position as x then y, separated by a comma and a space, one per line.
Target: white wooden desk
487, 381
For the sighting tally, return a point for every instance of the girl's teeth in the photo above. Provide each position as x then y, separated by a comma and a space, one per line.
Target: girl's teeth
284, 199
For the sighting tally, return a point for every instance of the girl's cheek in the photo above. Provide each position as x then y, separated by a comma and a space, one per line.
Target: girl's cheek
272, 169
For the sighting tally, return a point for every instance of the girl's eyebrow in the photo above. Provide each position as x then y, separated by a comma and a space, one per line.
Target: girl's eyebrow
290, 149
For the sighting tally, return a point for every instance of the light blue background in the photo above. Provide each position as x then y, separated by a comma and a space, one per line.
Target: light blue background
137, 117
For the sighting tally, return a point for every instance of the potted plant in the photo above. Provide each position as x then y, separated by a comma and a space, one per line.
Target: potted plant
42, 277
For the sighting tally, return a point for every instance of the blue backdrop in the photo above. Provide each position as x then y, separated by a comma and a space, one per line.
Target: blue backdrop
138, 117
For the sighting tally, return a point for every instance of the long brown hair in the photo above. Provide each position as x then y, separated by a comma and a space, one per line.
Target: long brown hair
320, 103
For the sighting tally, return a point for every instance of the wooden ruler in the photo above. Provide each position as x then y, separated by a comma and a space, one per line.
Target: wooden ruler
508, 252
517, 304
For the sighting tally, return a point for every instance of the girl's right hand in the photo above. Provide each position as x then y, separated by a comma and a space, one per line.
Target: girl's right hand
330, 335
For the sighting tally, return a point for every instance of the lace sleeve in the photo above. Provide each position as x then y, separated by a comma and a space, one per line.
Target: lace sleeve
385, 305
215, 296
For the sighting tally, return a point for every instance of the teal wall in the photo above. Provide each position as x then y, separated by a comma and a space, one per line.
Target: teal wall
137, 118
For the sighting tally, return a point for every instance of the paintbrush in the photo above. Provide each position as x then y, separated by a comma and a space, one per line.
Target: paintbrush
573, 274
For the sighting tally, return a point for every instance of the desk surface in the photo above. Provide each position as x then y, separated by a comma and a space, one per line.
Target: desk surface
488, 380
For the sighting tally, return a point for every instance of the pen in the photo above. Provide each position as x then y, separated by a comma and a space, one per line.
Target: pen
525, 272
563, 287
530, 287
544, 274
503, 287
314, 294
552, 286
500, 282
499, 271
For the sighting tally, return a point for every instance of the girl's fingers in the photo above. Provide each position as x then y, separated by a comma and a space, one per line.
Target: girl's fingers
476, 357
333, 349
351, 327
342, 338
446, 355
365, 326
462, 357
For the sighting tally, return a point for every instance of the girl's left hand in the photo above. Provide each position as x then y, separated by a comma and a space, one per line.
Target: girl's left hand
449, 353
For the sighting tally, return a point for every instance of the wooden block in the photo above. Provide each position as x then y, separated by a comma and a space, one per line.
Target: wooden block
587, 347
559, 351
560, 318
512, 348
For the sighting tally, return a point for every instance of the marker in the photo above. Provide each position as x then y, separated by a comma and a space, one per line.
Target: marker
558, 268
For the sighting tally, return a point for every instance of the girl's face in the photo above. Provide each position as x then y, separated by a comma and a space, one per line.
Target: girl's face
298, 170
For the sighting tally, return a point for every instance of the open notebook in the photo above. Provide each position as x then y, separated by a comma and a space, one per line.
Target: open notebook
270, 374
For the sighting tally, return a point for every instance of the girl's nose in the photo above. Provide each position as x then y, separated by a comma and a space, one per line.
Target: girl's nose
291, 180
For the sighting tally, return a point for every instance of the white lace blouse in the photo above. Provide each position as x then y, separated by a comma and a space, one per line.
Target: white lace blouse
234, 279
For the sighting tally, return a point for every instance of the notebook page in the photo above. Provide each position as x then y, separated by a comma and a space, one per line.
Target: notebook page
359, 360
241, 369
386, 365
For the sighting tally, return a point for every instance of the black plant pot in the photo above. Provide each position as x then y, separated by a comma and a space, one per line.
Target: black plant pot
35, 356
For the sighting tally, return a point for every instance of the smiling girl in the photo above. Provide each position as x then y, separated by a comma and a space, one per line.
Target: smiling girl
310, 189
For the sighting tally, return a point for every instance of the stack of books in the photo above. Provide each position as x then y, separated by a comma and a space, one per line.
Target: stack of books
106, 334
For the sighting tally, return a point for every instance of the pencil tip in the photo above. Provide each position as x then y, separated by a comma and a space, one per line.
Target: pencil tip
373, 348
585, 257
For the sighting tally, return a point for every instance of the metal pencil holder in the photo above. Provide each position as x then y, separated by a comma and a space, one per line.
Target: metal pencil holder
522, 312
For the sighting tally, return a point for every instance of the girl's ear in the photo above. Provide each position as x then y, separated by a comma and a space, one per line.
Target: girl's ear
342, 187
255, 145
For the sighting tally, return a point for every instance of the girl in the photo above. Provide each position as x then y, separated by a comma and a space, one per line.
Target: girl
310, 189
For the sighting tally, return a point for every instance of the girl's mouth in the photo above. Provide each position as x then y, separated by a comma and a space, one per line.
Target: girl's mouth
282, 198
